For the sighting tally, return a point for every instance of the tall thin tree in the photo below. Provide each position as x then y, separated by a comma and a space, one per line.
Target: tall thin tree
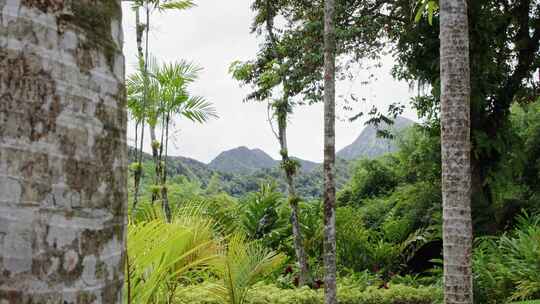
456, 152
282, 109
63, 157
149, 7
329, 153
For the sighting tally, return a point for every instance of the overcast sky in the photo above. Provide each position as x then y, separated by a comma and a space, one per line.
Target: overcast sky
216, 33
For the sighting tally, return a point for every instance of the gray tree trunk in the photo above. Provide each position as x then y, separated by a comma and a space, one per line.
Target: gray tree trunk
304, 277
456, 152
139, 30
282, 115
329, 153
157, 161
63, 152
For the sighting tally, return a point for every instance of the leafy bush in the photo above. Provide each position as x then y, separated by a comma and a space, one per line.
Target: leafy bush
270, 294
240, 267
371, 178
161, 256
508, 268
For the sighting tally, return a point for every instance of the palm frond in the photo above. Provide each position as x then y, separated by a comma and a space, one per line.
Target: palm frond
197, 109
163, 254
175, 5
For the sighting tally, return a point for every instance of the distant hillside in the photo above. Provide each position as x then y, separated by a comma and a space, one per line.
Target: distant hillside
369, 145
306, 165
309, 184
242, 160
179, 165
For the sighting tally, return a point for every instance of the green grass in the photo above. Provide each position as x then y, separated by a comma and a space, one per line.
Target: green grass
528, 302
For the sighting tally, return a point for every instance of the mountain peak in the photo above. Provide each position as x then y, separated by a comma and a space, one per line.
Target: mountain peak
242, 160
369, 145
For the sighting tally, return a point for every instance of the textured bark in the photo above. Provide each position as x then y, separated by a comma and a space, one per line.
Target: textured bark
329, 153
456, 152
63, 152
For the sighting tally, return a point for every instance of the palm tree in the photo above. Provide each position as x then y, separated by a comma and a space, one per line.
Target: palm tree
167, 96
63, 152
456, 151
143, 104
149, 6
173, 80
329, 153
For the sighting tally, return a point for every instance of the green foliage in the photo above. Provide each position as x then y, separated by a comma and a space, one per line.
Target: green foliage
162, 255
240, 267
508, 268
135, 168
428, 7
163, 5
166, 88
270, 294
259, 212
371, 178
290, 166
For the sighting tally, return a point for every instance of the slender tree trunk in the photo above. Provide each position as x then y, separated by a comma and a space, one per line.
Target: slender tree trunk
282, 110
63, 152
164, 193
304, 277
138, 169
139, 29
155, 156
456, 152
145, 95
329, 153
153, 138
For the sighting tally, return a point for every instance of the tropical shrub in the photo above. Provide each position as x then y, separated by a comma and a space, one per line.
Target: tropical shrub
241, 265
162, 256
270, 294
508, 268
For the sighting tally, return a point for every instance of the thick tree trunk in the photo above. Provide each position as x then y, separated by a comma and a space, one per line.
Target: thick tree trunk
304, 277
63, 152
329, 153
456, 152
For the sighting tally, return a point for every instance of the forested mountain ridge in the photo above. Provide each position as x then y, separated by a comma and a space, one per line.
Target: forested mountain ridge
179, 165
369, 145
246, 161
242, 170
309, 181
